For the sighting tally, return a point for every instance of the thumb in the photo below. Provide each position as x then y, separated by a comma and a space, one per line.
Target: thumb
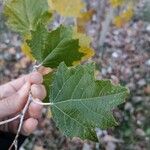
14, 103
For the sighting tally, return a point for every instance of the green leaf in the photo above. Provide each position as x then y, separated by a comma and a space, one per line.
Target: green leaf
51, 48
24, 15
47, 80
80, 103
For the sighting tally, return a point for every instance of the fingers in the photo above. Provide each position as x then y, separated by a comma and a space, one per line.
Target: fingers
35, 110
29, 126
13, 86
14, 103
38, 91
35, 78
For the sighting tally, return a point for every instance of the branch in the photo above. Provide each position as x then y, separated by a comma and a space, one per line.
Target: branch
105, 27
10, 120
30, 99
40, 103
15, 142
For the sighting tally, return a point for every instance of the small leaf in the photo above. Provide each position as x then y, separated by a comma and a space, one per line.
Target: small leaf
84, 42
24, 15
83, 19
67, 8
80, 103
47, 81
26, 50
124, 17
51, 48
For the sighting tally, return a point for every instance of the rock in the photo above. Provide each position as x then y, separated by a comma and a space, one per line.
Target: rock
86, 147
109, 70
141, 82
129, 107
148, 28
137, 99
115, 79
110, 146
139, 132
147, 62
115, 55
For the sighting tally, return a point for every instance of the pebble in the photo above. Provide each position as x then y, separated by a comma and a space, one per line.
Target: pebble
86, 147
141, 82
115, 55
148, 28
139, 132
129, 107
137, 99
147, 62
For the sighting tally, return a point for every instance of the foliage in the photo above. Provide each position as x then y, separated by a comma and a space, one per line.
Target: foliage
124, 17
126, 14
84, 43
67, 8
21, 16
83, 19
78, 101
51, 48
116, 3
47, 80
26, 50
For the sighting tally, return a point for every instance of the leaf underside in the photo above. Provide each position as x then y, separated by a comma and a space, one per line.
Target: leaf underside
81, 103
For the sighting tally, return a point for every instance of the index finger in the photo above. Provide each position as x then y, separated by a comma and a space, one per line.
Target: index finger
11, 87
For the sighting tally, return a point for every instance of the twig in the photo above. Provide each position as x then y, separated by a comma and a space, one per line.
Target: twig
40, 103
106, 26
35, 67
15, 142
10, 120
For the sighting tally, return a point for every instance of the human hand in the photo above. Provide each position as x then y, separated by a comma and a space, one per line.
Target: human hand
13, 97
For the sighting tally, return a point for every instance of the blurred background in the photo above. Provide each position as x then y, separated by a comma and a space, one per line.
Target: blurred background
120, 35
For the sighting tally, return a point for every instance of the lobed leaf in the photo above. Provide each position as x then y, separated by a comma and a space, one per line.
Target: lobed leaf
24, 15
51, 48
80, 103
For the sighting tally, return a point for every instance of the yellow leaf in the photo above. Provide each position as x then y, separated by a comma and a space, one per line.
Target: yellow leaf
84, 43
84, 18
49, 113
124, 17
27, 51
116, 3
67, 8
128, 14
118, 22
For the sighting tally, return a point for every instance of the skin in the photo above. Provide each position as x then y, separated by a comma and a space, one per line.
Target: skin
13, 97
